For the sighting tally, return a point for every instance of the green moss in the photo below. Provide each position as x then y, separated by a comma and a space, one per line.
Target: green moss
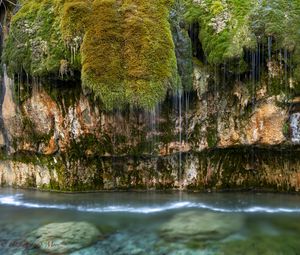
134, 51
230, 29
126, 60
35, 44
225, 30
101, 62
74, 21
126, 48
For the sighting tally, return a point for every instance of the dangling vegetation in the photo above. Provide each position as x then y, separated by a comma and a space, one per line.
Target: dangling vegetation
225, 30
103, 67
124, 49
134, 51
35, 44
129, 58
230, 29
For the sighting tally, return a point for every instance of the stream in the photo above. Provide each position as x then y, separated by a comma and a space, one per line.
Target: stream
156, 222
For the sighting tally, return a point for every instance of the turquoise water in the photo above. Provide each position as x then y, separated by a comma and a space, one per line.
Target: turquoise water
156, 222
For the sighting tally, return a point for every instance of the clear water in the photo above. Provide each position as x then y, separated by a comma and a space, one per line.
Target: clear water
131, 223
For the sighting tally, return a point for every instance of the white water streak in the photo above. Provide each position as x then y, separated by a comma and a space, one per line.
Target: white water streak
16, 200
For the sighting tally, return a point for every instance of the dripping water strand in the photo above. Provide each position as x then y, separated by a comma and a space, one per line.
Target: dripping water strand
187, 105
4, 82
180, 135
269, 60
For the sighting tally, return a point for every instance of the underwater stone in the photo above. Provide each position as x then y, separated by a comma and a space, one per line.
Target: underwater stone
64, 237
201, 226
259, 244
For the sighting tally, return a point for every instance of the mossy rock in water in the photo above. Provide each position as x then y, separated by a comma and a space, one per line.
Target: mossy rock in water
201, 226
266, 245
60, 238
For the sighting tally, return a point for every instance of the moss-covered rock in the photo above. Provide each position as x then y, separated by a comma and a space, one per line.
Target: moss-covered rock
254, 41
125, 48
35, 44
129, 58
134, 51
200, 226
225, 30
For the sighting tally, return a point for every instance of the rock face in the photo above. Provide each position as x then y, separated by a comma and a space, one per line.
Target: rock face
14, 173
201, 226
221, 169
61, 140
233, 121
60, 238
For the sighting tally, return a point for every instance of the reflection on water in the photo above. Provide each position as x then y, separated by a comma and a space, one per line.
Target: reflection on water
155, 222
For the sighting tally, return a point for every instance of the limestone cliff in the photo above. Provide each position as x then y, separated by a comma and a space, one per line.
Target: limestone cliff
225, 116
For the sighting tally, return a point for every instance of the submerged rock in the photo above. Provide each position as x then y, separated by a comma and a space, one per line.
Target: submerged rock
202, 226
273, 245
64, 237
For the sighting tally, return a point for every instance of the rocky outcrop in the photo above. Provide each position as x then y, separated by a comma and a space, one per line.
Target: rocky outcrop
210, 140
220, 128
18, 174
240, 168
